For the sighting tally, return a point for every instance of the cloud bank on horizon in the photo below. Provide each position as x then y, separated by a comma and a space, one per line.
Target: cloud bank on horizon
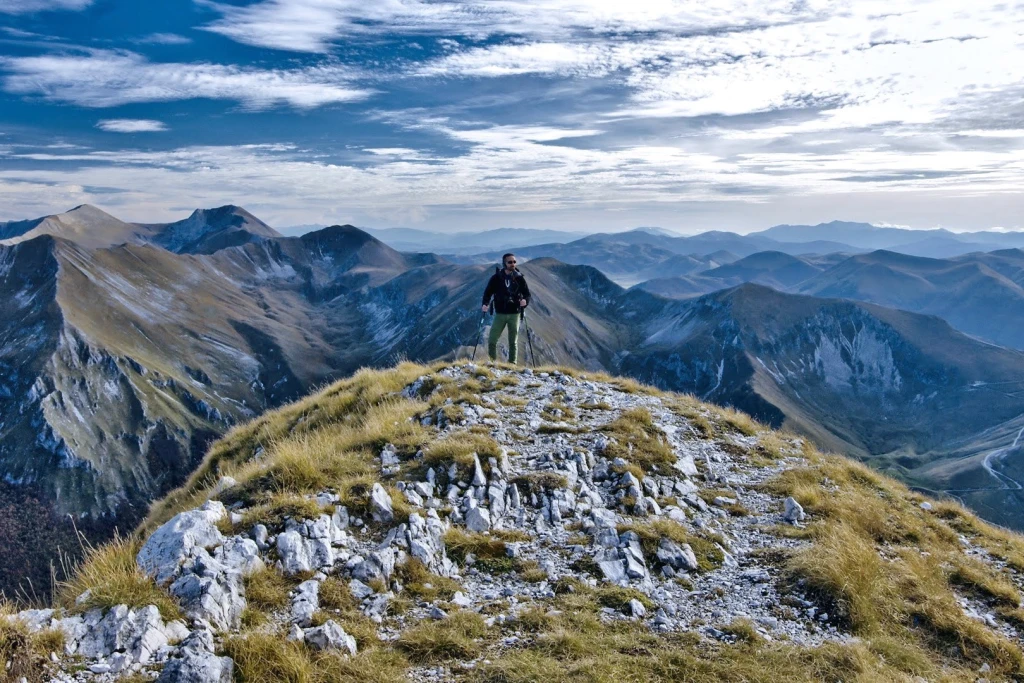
577, 114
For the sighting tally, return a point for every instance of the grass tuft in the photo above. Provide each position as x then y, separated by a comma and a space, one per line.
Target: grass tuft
266, 590
111, 577
639, 441
456, 637
25, 657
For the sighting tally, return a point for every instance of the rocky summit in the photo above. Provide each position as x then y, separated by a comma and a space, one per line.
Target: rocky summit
490, 523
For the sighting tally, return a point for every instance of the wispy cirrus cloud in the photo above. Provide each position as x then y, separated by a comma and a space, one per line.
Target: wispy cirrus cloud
163, 39
131, 126
314, 25
911, 63
107, 78
28, 6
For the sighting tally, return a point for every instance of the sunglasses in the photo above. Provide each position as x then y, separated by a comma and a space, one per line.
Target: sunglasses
509, 263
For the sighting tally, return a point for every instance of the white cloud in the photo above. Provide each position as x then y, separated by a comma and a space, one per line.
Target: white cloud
131, 126
511, 171
27, 6
562, 59
313, 25
868, 62
105, 78
163, 39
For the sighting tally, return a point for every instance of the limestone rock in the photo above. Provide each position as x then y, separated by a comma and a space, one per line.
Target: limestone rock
359, 589
794, 512
380, 505
330, 636
294, 553
305, 602
479, 479
195, 662
139, 633
208, 589
178, 539
676, 556
478, 519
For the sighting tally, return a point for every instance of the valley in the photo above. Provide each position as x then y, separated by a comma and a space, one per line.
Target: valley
125, 353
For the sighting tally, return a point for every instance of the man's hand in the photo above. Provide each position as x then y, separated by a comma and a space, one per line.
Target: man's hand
485, 308
522, 303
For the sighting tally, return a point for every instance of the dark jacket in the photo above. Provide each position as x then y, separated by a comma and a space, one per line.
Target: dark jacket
507, 290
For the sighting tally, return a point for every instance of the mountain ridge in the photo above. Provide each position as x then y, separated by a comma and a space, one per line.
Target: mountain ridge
133, 357
455, 522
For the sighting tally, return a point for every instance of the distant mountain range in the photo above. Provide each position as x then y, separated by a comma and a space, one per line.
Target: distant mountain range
934, 243
462, 243
613, 252
981, 294
124, 348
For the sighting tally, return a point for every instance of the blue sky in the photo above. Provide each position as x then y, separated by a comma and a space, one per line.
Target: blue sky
570, 114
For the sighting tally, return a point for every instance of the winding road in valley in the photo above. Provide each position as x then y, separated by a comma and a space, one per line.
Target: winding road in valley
1007, 482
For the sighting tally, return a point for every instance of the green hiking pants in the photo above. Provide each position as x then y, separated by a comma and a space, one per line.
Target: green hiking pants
501, 321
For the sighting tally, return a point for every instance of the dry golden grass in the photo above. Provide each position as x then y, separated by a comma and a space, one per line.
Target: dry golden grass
639, 441
571, 643
424, 584
618, 597
266, 590
458, 448
511, 401
456, 637
269, 658
743, 629
25, 657
111, 576
460, 542
888, 569
540, 482
556, 411
271, 509
740, 422
362, 410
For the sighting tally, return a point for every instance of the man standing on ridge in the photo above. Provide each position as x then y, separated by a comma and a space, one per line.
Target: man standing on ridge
511, 295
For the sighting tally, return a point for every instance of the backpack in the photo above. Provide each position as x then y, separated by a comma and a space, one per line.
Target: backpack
498, 270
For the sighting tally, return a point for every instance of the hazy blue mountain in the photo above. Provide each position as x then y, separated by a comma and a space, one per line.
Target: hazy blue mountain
463, 243
771, 268
119, 363
980, 294
934, 243
626, 262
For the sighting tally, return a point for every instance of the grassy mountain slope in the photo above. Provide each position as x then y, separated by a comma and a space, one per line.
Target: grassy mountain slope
83, 224
879, 584
122, 362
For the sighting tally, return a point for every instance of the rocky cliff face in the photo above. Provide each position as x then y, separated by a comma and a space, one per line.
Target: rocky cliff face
121, 363
492, 524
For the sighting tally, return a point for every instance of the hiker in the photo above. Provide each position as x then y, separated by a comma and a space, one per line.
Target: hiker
511, 295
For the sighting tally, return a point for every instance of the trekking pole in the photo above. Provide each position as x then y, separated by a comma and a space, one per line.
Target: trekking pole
479, 334
529, 339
